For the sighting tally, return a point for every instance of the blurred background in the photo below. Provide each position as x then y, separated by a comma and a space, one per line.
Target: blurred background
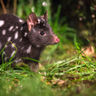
70, 65
67, 18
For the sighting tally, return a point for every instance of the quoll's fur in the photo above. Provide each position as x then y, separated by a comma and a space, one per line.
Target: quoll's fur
30, 37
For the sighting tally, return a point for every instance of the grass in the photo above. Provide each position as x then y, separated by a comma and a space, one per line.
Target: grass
71, 75
63, 69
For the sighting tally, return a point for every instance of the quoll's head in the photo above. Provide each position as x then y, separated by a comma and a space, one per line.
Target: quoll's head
40, 32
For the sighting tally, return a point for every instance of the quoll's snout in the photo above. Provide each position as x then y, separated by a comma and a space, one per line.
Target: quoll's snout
55, 39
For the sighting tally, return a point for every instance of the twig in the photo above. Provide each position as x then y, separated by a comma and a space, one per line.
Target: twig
3, 7
14, 6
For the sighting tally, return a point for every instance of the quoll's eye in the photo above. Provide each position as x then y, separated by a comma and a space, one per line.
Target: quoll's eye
42, 32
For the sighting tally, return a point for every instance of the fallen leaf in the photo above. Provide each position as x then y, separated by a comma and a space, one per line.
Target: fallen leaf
88, 51
61, 82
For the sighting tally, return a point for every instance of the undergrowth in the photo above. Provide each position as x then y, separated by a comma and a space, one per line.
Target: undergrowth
63, 69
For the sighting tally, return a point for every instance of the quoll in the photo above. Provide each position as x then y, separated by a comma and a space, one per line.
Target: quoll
29, 38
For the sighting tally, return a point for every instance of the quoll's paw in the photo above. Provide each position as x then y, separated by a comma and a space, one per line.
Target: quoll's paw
34, 67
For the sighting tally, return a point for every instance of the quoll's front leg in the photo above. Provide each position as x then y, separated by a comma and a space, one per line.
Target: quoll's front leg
34, 66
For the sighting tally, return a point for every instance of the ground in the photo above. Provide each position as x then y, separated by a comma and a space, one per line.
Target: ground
63, 71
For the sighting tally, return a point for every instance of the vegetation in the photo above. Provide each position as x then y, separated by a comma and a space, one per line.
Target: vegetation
65, 70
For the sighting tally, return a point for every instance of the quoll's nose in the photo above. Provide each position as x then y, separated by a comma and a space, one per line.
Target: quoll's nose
56, 39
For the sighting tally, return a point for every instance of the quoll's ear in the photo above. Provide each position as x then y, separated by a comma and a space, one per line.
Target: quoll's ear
32, 21
45, 16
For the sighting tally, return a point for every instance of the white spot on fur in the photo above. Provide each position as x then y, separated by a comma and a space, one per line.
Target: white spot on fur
1, 23
9, 38
33, 30
3, 32
13, 53
16, 35
16, 27
39, 20
20, 40
20, 20
21, 28
29, 49
25, 34
11, 27
0, 45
